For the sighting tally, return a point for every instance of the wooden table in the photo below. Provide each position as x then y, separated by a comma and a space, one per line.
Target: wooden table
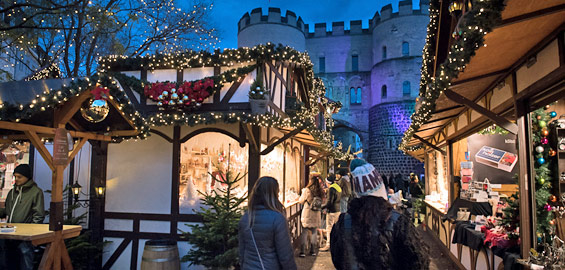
39, 234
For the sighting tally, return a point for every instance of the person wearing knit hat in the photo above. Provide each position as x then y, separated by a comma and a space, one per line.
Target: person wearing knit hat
24, 204
372, 235
366, 180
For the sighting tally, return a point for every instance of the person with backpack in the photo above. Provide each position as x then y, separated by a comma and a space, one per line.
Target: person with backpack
333, 206
371, 235
311, 216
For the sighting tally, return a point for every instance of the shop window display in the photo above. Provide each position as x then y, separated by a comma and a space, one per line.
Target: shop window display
11, 155
437, 180
205, 155
283, 159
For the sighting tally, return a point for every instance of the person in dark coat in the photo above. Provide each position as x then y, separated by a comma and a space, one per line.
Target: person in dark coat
400, 184
264, 239
371, 235
391, 183
24, 204
414, 187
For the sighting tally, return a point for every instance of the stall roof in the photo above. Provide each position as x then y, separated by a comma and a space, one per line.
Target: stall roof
524, 25
38, 102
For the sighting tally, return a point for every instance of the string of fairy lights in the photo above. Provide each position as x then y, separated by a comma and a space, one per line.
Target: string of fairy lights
473, 26
305, 116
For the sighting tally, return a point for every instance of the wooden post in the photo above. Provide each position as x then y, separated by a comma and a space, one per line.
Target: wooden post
306, 157
99, 161
254, 170
525, 183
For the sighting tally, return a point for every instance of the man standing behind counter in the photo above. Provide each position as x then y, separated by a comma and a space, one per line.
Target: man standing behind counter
24, 204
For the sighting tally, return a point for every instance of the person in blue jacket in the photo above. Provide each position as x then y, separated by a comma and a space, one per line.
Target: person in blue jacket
264, 239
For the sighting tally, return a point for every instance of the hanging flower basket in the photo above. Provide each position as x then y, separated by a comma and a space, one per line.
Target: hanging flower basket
258, 106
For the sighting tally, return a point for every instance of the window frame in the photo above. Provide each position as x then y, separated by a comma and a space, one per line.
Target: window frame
404, 87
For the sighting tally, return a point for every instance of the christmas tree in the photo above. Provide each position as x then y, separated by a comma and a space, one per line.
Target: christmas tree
543, 174
511, 216
214, 242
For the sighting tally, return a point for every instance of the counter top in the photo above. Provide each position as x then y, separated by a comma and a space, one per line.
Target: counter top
440, 207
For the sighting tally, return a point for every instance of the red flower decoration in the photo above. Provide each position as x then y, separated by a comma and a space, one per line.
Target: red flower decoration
187, 92
100, 93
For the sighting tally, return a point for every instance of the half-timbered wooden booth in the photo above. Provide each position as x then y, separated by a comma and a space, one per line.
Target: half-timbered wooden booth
58, 117
487, 65
202, 117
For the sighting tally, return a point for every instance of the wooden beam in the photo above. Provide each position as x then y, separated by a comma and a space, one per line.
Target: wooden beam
49, 130
129, 121
120, 133
313, 161
277, 74
251, 138
66, 112
277, 109
233, 89
282, 139
531, 15
497, 119
38, 144
76, 150
429, 144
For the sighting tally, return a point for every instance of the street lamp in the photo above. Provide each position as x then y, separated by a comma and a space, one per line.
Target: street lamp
100, 190
76, 189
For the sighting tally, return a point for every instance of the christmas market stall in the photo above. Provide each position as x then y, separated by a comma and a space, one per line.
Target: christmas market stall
251, 112
488, 125
53, 119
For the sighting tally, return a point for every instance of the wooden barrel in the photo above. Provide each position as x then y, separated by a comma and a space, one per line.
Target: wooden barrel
161, 254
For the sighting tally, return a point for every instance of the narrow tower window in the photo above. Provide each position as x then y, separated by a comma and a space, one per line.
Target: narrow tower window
405, 49
406, 89
383, 91
355, 63
322, 63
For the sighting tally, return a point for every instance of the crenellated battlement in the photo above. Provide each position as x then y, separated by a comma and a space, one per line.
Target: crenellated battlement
355, 27
273, 16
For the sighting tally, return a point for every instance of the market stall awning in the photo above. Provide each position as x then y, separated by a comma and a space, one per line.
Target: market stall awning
44, 103
524, 27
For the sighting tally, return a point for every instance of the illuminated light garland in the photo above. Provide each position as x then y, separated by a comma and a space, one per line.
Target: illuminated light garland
475, 24
49, 72
304, 117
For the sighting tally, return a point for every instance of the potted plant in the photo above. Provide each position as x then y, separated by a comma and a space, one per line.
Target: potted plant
258, 97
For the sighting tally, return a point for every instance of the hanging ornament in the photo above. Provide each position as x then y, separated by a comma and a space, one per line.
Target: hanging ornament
552, 152
541, 181
544, 132
174, 96
539, 148
173, 91
172, 103
95, 110
552, 222
544, 140
165, 93
541, 161
552, 114
542, 124
546, 107
553, 198
547, 207
538, 117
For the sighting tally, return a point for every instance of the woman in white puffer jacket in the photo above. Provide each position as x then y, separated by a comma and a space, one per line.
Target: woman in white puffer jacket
311, 216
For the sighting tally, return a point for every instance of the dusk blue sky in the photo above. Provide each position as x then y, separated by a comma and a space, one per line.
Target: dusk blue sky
226, 13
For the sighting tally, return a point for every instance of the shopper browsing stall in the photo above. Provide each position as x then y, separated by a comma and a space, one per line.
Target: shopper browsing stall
24, 204
311, 216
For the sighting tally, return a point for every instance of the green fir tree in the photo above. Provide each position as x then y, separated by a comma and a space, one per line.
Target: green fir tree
214, 241
511, 215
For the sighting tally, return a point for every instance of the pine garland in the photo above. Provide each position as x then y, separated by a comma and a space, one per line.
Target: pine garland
543, 177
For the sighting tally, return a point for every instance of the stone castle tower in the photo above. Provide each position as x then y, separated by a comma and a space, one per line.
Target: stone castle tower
374, 72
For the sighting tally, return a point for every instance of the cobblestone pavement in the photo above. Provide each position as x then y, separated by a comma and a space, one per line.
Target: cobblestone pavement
323, 261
